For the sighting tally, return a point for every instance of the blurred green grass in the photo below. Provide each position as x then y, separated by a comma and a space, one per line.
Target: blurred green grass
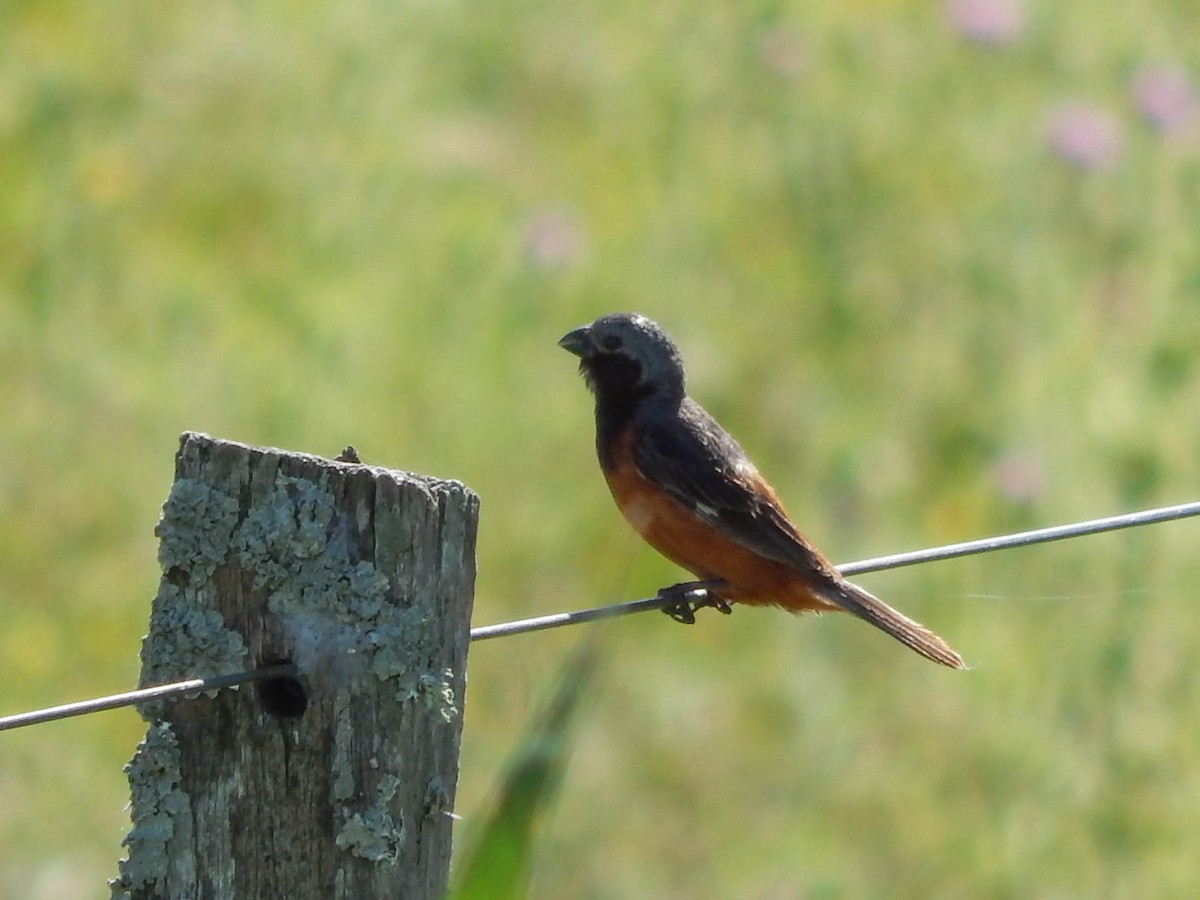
503, 845
311, 224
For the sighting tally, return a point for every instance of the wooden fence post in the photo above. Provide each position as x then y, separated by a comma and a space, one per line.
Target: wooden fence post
341, 784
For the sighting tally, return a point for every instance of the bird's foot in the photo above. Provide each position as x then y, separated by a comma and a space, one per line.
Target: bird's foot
685, 598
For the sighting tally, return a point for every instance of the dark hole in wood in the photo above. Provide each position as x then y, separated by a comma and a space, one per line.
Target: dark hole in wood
284, 698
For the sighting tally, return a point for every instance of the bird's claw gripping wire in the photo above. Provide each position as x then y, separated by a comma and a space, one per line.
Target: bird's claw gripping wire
688, 596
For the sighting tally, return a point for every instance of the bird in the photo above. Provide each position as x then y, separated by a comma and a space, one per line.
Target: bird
689, 489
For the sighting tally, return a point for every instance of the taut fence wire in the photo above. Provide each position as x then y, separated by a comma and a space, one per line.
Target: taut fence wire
578, 617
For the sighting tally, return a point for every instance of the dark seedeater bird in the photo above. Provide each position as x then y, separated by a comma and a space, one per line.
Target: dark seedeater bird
690, 491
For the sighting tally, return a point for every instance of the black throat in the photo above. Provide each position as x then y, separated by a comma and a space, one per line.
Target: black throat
615, 381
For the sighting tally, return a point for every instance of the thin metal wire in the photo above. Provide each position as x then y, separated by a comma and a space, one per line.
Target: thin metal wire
161, 692
1024, 538
895, 561
557, 620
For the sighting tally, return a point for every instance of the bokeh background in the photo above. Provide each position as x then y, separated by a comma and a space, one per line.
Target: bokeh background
935, 264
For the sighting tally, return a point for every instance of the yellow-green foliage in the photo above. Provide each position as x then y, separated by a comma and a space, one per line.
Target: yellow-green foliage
368, 221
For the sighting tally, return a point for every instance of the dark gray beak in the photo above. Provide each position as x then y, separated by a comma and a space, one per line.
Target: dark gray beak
578, 341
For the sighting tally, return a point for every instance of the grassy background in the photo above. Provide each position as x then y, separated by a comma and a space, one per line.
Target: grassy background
308, 224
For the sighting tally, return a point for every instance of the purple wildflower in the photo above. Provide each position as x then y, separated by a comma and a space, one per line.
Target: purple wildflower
1165, 97
1019, 476
996, 23
1084, 135
553, 238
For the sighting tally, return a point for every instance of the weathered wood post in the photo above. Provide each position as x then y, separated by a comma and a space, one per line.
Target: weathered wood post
337, 786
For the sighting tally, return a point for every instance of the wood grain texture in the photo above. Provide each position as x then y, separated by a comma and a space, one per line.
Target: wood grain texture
362, 576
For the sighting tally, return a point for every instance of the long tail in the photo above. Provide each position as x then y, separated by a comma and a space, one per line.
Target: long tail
914, 635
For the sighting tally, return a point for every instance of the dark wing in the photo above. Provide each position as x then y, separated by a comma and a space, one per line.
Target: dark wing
703, 468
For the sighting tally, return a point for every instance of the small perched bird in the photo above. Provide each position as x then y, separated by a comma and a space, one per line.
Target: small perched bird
690, 491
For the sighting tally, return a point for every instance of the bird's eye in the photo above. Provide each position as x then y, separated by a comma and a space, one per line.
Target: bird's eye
611, 342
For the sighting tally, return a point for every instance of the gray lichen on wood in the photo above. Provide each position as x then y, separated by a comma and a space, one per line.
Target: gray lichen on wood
186, 630
361, 576
156, 805
373, 834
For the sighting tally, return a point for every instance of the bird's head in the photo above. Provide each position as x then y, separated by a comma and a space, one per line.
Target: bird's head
626, 355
